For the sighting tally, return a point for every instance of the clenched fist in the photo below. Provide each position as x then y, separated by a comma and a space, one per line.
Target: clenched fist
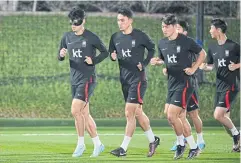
63, 52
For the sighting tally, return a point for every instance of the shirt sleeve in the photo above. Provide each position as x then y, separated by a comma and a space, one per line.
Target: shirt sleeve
160, 55
150, 46
98, 44
62, 45
209, 57
111, 47
194, 47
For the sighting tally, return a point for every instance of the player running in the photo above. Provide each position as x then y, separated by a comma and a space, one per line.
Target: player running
128, 47
81, 45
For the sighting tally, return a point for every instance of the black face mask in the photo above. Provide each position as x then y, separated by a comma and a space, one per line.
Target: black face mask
76, 22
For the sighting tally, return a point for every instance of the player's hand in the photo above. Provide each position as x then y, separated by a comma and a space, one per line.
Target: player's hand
63, 52
203, 66
154, 61
88, 60
232, 66
189, 71
140, 66
164, 71
114, 55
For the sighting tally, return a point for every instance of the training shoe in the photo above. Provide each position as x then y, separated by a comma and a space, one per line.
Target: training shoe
201, 146
193, 153
118, 152
153, 146
174, 147
180, 151
79, 150
98, 150
236, 143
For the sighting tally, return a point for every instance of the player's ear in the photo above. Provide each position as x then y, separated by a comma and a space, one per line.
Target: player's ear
83, 22
185, 32
131, 20
219, 30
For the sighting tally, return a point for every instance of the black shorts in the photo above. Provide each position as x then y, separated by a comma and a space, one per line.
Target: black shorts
83, 91
134, 93
180, 98
193, 101
225, 99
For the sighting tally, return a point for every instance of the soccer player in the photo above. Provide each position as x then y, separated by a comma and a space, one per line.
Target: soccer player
225, 56
192, 106
128, 47
176, 50
81, 45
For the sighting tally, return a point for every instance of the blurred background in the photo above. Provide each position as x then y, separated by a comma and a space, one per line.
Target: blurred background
34, 84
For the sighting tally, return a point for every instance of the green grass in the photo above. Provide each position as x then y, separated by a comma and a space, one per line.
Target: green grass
29, 82
18, 147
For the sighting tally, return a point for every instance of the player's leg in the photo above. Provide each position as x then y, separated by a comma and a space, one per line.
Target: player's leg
193, 112
144, 122
90, 123
130, 110
226, 128
186, 125
168, 101
77, 110
173, 112
179, 102
92, 130
223, 104
186, 129
136, 96
198, 127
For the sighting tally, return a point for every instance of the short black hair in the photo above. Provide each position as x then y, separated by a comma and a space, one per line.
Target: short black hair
184, 24
125, 12
219, 23
169, 19
76, 13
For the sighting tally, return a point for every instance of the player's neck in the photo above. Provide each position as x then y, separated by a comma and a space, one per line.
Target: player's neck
173, 36
128, 30
221, 39
80, 32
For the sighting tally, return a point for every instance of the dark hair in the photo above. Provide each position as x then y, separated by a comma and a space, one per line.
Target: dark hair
219, 23
169, 19
125, 12
184, 24
76, 13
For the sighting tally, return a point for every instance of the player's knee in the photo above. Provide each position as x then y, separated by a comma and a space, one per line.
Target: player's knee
75, 113
130, 115
171, 119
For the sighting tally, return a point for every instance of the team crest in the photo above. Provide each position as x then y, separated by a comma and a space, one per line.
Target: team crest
178, 49
133, 43
84, 44
226, 53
